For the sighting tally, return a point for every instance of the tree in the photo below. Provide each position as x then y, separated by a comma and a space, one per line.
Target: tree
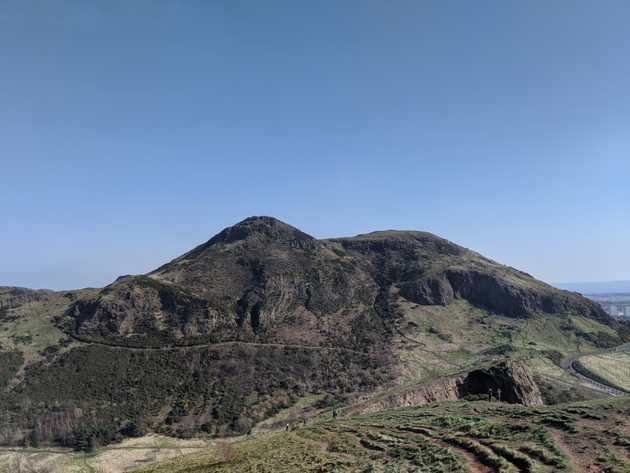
82, 441
35, 438
91, 446
132, 429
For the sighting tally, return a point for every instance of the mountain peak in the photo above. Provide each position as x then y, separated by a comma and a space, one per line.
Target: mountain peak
262, 228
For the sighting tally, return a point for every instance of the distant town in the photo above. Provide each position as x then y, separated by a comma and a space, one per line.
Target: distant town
613, 296
616, 305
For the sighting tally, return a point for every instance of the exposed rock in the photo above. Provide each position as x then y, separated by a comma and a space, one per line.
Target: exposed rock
428, 291
11, 297
510, 381
500, 294
140, 309
513, 379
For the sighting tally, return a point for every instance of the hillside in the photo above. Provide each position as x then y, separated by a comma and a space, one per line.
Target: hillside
263, 316
446, 437
466, 436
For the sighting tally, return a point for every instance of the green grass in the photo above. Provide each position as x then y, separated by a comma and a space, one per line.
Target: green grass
450, 436
115, 458
30, 329
613, 368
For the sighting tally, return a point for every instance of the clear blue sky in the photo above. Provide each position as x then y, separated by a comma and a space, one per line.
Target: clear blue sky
131, 131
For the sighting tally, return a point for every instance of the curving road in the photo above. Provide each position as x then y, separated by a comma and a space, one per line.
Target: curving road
568, 364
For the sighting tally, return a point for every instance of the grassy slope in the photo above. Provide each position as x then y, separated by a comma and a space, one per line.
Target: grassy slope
29, 328
459, 436
130, 454
435, 341
453, 437
614, 368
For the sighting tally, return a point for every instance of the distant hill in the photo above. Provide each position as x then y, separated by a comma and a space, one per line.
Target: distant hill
596, 287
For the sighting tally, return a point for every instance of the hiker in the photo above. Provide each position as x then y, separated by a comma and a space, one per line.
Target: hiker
288, 427
334, 413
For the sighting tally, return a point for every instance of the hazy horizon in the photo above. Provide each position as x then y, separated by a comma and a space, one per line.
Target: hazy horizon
133, 131
578, 286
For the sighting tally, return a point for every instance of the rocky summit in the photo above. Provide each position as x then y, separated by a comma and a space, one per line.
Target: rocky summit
263, 318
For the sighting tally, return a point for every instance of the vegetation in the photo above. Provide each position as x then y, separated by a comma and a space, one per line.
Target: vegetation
454, 437
117, 458
226, 390
10, 363
612, 368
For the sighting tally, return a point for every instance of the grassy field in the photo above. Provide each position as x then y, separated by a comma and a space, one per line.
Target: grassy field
29, 328
614, 368
445, 437
438, 341
126, 456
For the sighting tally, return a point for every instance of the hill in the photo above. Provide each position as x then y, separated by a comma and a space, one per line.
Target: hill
262, 317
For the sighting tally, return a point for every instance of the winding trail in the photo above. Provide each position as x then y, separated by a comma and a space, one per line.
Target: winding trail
87, 341
568, 364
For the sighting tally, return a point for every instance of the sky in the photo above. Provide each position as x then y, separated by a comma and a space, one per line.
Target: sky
132, 131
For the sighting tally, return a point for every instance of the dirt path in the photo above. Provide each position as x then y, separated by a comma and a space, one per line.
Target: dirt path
35, 450
471, 462
218, 345
575, 463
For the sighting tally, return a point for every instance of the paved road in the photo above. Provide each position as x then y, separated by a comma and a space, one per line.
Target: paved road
568, 363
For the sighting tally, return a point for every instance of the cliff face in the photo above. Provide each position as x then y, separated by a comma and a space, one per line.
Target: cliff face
509, 381
265, 280
513, 380
429, 270
11, 297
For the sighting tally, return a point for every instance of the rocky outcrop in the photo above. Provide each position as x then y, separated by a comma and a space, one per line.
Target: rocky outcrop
513, 380
510, 381
137, 310
11, 297
429, 270
498, 293
428, 291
